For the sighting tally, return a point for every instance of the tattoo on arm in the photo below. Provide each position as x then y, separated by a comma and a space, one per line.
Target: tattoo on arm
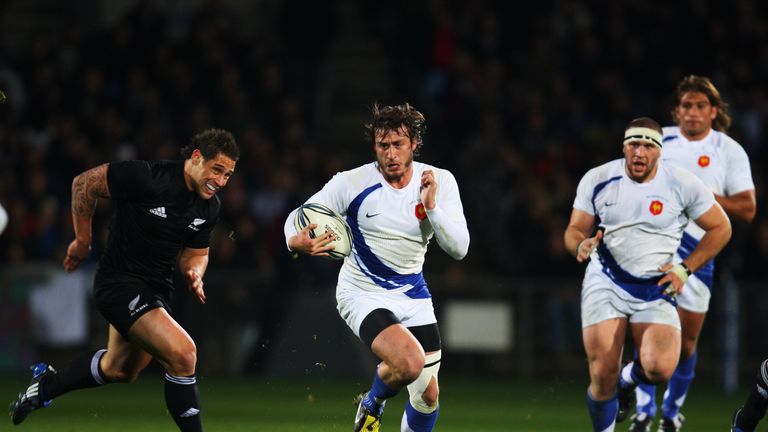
87, 188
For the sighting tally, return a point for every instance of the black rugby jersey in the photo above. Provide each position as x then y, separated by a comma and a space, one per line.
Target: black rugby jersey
155, 216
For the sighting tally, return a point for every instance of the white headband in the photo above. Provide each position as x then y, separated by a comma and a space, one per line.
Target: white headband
642, 134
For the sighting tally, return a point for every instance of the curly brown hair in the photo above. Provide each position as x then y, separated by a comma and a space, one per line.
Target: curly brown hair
393, 117
700, 84
211, 142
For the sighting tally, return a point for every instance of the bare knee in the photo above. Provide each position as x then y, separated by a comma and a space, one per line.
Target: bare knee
658, 372
688, 346
182, 361
407, 368
431, 394
604, 377
120, 373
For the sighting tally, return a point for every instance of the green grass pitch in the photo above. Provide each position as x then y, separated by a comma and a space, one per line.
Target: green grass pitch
260, 404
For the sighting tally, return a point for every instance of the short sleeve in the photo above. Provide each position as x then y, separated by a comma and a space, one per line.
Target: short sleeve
333, 194
738, 178
698, 197
202, 239
584, 193
128, 180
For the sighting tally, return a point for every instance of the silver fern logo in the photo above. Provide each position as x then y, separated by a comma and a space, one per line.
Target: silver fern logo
133, 303
195, 225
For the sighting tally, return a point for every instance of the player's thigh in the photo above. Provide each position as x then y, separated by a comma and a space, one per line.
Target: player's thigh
396, 344
658, 346
602, 299
691, 322
368, 314
123, 299
123, 358
161, 336
604, 341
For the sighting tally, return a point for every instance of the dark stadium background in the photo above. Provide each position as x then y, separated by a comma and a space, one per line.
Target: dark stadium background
520, 99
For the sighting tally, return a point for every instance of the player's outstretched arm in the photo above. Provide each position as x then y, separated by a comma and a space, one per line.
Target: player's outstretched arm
576, 238
87, 188
192, 265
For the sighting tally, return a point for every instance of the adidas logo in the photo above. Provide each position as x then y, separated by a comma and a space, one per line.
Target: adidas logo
33, 390
762, 391
190, 413
158, 211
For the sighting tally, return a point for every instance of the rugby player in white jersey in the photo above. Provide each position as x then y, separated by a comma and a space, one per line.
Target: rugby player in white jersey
628, 217
698, 144
394, 206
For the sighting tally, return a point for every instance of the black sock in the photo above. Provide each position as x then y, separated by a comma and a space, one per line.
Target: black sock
757, 401
83, 371
183, 401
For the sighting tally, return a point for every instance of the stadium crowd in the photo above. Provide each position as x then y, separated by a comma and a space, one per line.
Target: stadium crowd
519, 106
517, 111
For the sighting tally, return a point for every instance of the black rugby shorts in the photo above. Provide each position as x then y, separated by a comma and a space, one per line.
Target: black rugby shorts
123, 299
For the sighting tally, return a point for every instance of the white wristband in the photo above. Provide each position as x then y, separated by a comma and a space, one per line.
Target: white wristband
679, 271
578, 247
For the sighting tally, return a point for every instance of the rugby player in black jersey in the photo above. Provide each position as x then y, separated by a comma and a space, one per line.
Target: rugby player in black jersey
162, 222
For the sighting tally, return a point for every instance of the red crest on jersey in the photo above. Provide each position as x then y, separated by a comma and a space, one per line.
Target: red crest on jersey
656, 207
421, 214
704, 161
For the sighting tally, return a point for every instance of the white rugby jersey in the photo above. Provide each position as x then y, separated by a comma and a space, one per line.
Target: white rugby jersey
390, 227
643, 222
718, 160
721, 163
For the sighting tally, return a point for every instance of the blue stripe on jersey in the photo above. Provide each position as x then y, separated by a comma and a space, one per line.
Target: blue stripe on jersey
706, 273
668, 138
641, 288
382, 275
599, 187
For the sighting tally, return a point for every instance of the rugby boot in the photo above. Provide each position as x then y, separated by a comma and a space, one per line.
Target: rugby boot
640, 423
674, 424
31, 399
365, 420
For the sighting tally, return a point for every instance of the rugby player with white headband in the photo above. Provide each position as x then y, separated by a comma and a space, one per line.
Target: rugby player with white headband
699, 142
627, 221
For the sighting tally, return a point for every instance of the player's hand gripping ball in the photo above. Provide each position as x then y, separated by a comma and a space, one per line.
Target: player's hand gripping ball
327, 220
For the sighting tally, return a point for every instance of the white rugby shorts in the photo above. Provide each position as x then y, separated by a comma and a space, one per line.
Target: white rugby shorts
602, 299
695, 296
355, 306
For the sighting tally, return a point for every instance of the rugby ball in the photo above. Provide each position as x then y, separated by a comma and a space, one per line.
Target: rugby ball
327, 220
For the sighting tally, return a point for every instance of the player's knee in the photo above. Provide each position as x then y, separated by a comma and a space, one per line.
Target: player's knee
688, 347
182, 361
121, 374
408, 368
120, 369
430, 396
604, 372
657, 372
424, 390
